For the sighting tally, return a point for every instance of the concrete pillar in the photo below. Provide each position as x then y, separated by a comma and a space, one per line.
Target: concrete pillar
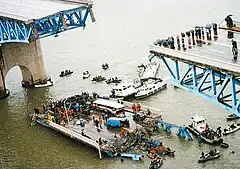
30, 60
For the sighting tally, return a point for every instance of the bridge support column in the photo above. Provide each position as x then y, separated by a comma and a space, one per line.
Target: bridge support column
29, 59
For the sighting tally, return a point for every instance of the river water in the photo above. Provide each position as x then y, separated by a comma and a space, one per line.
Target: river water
121, 36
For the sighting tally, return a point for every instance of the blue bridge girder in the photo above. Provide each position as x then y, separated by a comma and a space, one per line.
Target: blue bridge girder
13, 30
182, 132
221, 87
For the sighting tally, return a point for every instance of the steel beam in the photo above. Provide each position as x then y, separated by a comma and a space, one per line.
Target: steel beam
12, 30
60, 22
212, 79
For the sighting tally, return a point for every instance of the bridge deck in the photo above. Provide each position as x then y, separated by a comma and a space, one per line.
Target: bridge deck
218, 55
25, 10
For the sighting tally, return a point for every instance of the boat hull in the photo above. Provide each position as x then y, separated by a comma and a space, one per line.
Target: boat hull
86, 76
202, 160
206, 140
142, 96
128, 97
62, 75
232, 117
232, 131
48, 84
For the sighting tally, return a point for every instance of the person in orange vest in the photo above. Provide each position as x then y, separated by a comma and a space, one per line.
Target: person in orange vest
70, 112
153, 150
138, 107
121, 132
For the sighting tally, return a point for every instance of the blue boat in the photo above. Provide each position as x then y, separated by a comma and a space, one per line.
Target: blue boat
42, 122
135, 157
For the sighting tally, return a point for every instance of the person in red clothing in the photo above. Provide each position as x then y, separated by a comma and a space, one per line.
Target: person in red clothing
134, 108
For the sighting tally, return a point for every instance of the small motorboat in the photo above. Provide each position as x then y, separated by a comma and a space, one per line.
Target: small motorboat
135, 157
113, 80
231, 128
98, 79
85, 75
152, 155
105, 66
156, 163
49, 83
209, 156
232, 117
65, 73
169, 153
224, 145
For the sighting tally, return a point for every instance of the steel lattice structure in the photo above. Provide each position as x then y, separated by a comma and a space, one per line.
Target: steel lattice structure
220, 85
13, 30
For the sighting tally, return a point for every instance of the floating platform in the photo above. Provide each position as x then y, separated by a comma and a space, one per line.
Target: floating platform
72, 134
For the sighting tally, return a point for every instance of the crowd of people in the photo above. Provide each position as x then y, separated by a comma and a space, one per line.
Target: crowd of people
211, 134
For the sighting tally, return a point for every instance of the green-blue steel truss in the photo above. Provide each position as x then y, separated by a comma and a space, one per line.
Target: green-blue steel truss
13, 30
182, 131
220, 87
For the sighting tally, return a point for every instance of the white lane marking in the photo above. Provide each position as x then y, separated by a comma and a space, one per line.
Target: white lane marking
217, 51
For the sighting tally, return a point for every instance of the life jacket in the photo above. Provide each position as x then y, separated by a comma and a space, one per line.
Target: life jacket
50, 118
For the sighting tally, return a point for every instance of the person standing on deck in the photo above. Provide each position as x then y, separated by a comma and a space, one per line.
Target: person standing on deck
100, 123
178, 42
229, 21
234, 49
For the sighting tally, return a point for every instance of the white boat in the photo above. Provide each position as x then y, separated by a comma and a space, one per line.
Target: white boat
85, 75
208, 157
199, 127
231, 128
123, 90
150, 87
49, 83
199, 123
232, 117
150, 71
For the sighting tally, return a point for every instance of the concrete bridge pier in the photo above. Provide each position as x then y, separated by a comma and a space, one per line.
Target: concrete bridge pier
30, 61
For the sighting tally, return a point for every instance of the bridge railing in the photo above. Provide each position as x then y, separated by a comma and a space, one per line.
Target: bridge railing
204, 61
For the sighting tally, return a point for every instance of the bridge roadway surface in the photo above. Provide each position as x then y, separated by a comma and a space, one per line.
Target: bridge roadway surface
26, 10
217, 55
